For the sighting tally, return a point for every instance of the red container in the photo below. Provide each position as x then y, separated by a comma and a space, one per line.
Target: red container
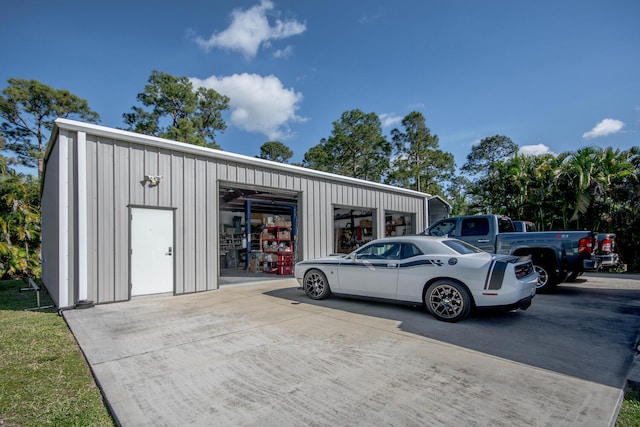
285, 270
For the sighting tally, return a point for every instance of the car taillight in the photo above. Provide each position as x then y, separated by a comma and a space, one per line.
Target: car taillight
606, 245
586, 245
523, 270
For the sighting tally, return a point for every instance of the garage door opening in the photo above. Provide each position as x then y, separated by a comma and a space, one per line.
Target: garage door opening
258, 234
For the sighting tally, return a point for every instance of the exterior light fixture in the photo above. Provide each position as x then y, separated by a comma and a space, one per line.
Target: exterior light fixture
153, 179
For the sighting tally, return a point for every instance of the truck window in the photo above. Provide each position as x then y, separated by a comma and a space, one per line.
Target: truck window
475, 227
505, 225
446, 227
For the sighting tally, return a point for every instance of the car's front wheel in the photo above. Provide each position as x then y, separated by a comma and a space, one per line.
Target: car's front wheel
448, 301
316, 285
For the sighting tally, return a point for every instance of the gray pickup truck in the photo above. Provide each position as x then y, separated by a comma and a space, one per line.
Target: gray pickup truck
556, 255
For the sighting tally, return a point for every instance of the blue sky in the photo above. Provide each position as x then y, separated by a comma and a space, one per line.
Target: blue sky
551, 75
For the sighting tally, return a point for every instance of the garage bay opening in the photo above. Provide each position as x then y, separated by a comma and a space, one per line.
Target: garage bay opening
258, 230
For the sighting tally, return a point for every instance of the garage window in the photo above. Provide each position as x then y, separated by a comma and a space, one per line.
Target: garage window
353, 227
398, 224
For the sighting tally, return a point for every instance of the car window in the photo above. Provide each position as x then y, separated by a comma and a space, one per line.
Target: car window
461, 247
443, 228
475, 227
380, 251
409, 250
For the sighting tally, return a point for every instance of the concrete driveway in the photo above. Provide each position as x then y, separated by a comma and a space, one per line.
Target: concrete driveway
263, 354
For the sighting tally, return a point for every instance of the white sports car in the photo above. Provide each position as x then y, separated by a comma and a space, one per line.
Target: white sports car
447, 275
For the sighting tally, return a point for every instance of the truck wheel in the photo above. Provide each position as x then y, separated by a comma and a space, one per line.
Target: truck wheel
546, 277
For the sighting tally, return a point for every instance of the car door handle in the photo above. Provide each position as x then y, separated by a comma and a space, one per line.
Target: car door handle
483, 240
392, 265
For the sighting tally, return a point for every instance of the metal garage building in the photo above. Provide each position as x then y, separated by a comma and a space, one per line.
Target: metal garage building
125, 214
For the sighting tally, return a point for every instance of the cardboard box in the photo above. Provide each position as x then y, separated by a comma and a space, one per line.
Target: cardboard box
256, 219
284, 235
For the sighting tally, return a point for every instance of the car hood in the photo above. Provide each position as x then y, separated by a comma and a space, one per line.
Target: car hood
334, 258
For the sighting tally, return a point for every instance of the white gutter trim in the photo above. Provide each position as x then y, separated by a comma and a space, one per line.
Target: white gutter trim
82, 216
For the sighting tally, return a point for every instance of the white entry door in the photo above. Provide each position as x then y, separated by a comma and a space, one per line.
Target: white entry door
151, 251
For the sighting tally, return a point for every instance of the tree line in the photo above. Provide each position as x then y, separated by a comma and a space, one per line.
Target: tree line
592, 188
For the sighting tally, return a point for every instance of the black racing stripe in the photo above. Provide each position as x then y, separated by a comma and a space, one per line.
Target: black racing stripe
497, 275
380, 263
416, 263
366, 265
486, 280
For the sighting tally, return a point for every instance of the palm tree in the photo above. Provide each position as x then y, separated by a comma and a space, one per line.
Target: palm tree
19, 225
611, 166
579, 167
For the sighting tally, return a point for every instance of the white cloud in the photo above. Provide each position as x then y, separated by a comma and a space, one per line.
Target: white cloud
390, 120
368, 18
534, 150
604, 128
283, 53
258, 104
249, 29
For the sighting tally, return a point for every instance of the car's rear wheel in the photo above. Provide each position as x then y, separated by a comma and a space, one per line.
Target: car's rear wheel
316, 285
448, 301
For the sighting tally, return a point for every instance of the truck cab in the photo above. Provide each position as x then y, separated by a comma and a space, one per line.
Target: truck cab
479, 230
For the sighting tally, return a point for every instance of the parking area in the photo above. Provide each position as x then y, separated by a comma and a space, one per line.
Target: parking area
264, 354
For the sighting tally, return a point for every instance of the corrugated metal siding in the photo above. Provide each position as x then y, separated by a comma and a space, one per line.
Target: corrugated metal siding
115, 173
177, 169
50, 227
121, 220
106, 222
92, 220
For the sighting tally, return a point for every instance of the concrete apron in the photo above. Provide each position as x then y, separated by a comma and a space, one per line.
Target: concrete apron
263, 354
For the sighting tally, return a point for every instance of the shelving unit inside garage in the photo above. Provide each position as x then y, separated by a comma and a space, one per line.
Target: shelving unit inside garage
262, 243
277, 248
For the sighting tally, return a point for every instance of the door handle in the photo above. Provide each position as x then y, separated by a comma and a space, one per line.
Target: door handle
483, 240
392, 265
170, 251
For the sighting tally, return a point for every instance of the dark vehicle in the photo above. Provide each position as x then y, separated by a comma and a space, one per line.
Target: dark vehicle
605, 250
556, 255
524, 226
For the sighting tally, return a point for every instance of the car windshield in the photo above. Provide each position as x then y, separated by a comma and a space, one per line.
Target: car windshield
461, 247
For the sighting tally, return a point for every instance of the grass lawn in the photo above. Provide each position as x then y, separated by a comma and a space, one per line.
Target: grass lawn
629, 415
44, 378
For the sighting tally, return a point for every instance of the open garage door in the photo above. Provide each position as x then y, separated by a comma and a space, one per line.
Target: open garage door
258, 233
